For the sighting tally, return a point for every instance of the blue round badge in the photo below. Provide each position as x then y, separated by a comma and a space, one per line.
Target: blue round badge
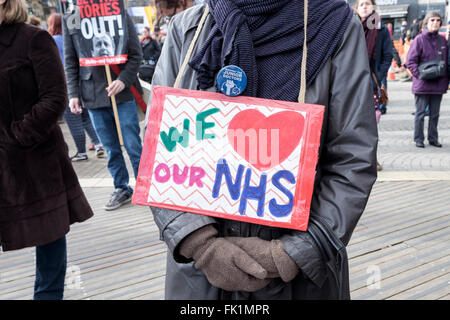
232, 80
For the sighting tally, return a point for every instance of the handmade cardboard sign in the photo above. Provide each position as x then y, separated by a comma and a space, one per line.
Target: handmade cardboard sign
239, 158
101, 26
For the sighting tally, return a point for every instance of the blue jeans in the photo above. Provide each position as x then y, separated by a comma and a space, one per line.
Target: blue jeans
105, 126
51, 263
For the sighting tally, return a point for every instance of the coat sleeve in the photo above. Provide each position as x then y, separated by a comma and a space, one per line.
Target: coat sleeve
174, 226
347, 163
129, 72
387, 53
71, 62
156, 50
413, 58
37, 125
448, 59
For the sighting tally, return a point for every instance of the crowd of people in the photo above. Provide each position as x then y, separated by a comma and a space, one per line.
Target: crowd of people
418, 44
41, 80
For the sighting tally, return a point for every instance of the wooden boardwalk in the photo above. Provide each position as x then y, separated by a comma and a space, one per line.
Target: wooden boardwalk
403, 237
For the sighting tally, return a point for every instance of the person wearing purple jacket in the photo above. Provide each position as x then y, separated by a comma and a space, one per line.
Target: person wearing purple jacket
424, 48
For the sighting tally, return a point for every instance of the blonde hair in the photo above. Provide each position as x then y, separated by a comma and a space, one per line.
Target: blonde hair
34, 21
15, 11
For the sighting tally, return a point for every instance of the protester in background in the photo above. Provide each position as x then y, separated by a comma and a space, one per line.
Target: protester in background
95, 97
40, 195
406, 46
378, 45
415, 28
203, 250
405, 74
77, 122
448, 54
166, 9
150, 48
425, 47
404, 30
157, 35
447, 37
383, 106
150, 51
389, 27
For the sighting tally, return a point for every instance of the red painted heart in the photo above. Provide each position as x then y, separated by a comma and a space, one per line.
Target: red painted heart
262, 141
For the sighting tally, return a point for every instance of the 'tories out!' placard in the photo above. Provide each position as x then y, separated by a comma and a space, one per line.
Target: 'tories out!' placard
101, 31
239, 158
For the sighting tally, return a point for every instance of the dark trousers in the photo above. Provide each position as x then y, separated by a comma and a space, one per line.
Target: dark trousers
77, 124
51, 263
434, 103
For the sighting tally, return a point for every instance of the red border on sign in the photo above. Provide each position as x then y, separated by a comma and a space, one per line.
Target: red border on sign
307, 166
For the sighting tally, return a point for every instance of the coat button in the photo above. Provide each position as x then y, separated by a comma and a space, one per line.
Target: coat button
232, 232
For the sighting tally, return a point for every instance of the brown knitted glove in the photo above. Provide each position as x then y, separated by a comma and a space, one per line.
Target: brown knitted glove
225, 265
271, 255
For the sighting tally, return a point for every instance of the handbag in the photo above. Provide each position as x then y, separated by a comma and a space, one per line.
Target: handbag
146, 70
382, 92
432, 69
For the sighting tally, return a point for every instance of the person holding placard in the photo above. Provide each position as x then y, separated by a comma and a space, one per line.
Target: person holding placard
216, 258
94, 43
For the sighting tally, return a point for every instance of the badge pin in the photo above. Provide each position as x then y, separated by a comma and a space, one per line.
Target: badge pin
231, 80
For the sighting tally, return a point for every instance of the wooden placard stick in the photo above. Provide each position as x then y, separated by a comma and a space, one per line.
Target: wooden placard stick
114, 105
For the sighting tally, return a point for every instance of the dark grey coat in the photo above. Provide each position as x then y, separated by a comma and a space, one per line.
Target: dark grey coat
345, 173
89, 83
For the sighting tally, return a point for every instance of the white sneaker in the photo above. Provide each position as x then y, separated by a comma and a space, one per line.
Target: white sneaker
79, 157
100, 152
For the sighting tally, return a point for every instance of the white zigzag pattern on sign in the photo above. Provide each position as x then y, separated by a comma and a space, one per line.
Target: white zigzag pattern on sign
199, 106
202, 154
223, 206
178, 118
273, 193
185, 196
187, 153
219, 208
199, 156
206, 104
203, 104
178, 114
187, 192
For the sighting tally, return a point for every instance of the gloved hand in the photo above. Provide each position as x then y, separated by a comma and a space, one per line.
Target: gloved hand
225, 265
271, 255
